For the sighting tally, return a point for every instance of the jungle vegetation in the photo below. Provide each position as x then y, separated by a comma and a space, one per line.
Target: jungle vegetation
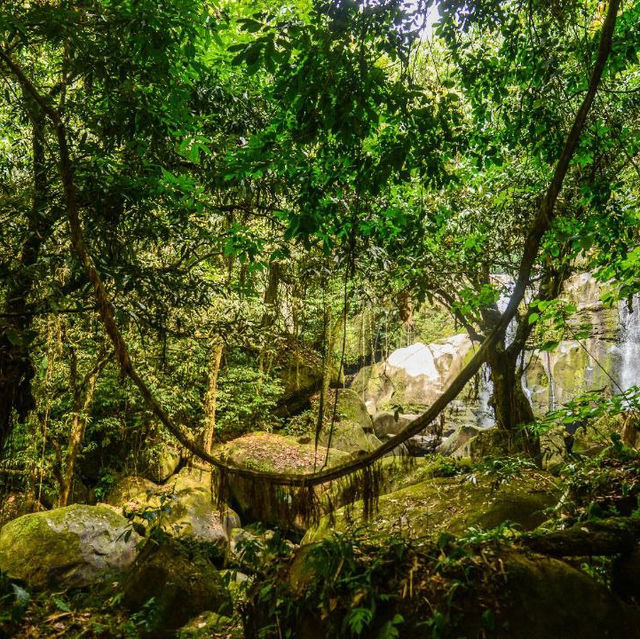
214, 213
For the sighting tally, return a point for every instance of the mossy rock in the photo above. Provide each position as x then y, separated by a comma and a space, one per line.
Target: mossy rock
276, 453
545, 597
182, 584
67, 547
193, 514
350, 407
158, 463
510, 595
349, 437
132, 492
455, 443
211, 625
185, 506
453, 504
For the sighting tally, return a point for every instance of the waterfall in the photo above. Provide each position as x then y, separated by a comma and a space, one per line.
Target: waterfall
485, 416
629, 343
546, 362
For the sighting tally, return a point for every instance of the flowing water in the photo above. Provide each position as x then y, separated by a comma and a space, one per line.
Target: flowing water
629, 343
626, 373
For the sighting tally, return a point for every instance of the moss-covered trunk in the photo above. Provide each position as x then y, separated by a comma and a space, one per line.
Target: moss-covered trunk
211, 400
512, 407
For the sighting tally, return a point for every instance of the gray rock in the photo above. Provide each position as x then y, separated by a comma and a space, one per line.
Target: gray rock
159, 463
414, 375
67, 547
454, 444
185, 505
422, 445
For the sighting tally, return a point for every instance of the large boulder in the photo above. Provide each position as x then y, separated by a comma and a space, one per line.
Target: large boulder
158, 463
422, 445
181, 584
350, 407
510, 595
192, 513
454, 504
413, 376
545, 597
455, 444
133, 492
184, 507
67, 547
388, 423
575, 366
347, 426
273, 453
348, 437
277, 453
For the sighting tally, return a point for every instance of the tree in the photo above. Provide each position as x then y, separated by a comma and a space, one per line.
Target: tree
540, 224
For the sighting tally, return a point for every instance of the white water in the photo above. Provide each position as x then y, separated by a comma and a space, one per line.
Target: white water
629, 343
626, 375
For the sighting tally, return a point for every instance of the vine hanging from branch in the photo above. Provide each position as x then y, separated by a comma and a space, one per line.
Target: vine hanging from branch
540, 225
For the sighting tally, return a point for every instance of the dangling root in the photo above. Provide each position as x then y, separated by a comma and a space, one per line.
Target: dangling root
540, 225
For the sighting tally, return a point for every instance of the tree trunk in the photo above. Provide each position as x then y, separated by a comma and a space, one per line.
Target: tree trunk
16, 368
211, 398
540, 225
271, 295
512, 407
83, 399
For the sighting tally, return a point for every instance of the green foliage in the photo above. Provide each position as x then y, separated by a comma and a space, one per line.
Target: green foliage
354, 585
14, 600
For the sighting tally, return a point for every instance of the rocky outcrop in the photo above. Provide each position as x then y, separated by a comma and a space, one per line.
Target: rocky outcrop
158, 463
276, 453
602, 352
453, 504
545, 597
388, 423
411, 376
348, 437
352, 430
133, 493
183, 508
455, 444
67, 547
512, 595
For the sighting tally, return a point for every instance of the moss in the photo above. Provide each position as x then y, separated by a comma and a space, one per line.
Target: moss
349, 437
131, 490
453, 504
211, 625
181, 583
352, 408
71, 546
271, 452
546, 597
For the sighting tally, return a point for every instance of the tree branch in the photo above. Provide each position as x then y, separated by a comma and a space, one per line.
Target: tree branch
540, 225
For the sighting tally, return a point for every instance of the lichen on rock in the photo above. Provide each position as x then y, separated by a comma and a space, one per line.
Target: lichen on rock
67, 547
